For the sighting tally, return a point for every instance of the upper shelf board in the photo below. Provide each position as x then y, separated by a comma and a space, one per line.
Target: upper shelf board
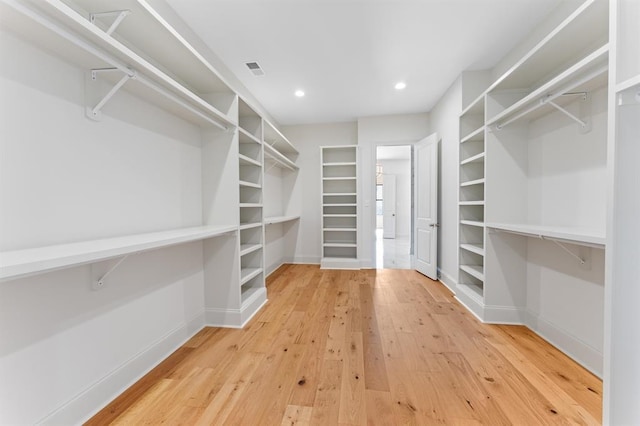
580, 236
278, 158
56, 27
23, 263
586, 28
279, 219
274, 138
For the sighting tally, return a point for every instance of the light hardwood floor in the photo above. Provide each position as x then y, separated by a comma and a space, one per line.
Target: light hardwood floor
383, 347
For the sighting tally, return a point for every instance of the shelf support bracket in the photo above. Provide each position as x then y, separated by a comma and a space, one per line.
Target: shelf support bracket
567, 113
99, 283
94, 113
563, 247
119, 14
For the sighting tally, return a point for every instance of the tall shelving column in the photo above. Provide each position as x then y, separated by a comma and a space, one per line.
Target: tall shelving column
339, 192
250, 162
622, 292
471, 204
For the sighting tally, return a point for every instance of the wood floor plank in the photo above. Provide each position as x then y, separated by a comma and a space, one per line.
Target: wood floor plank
376, 347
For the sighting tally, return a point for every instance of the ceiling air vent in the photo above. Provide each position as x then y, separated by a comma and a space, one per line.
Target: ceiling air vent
255, 69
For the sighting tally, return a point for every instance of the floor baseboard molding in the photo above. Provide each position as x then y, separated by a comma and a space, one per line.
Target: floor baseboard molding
576, 349
236, 318
448, 281
95, 397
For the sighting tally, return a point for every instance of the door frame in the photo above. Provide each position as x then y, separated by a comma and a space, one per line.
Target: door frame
372, 208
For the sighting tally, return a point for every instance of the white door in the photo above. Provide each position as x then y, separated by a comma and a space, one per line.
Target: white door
388, 206
426, 206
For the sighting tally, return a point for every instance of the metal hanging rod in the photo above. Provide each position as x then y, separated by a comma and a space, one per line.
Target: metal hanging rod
565, 91
98, 53
119, 14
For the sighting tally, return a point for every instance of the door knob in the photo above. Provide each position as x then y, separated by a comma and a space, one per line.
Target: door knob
435, 225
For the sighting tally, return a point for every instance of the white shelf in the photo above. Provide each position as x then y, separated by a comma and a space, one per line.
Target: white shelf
278, 158
250, 205
244, 226
249, 293
474, 291
475, 159
476, 271
471, 203
473, 248
75, 38
476, 135
340, 178
246, 274
337, 164
580, 236
472, 223
327, 244
627, 84
249, 248
473, 182
246, 137
244, 160
279, 219
339, 205
276, 140
250, 184
584, 76
586, 26
475, 107
23, 263
334, 194
340, 229
339, 215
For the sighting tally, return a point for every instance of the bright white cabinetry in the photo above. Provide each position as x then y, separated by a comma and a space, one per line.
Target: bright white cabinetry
339, 192
533, 167
281, 202
622, 335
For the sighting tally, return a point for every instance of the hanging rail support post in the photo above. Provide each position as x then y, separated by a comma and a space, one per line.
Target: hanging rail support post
120, 15
100, 281
94, 113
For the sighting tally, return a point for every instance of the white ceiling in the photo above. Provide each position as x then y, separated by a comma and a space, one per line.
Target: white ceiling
348, 54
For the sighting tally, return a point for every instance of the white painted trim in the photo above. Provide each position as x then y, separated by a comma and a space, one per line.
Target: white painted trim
472, 305
367, 264
274, 267
510, 315
96, 396
305, 260
339, 263
448, 281
578, 350
236, 318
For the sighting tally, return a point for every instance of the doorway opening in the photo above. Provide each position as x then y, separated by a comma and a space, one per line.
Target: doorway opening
394, 201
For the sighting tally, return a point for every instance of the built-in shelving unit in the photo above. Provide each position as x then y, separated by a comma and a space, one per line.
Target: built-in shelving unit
533, 163
282, 212
181, 82
471, 202
339, 206
251, 179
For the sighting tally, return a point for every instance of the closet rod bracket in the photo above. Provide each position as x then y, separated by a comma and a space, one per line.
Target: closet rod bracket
119, 14
563, 247
94, 112
99, 283
567, 113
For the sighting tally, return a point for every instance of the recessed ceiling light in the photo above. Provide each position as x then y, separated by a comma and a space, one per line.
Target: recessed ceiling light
299, 93
400, 85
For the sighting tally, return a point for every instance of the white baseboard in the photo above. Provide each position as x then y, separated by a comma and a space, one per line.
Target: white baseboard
507, 315
471, 302
305, 260
96, 396
581, 352
236, 318
339, 263
448, 281
273, 267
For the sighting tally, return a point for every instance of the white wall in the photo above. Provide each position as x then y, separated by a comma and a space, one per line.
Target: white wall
444, 121
372, 131
66, 178
305, 243
402, 171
